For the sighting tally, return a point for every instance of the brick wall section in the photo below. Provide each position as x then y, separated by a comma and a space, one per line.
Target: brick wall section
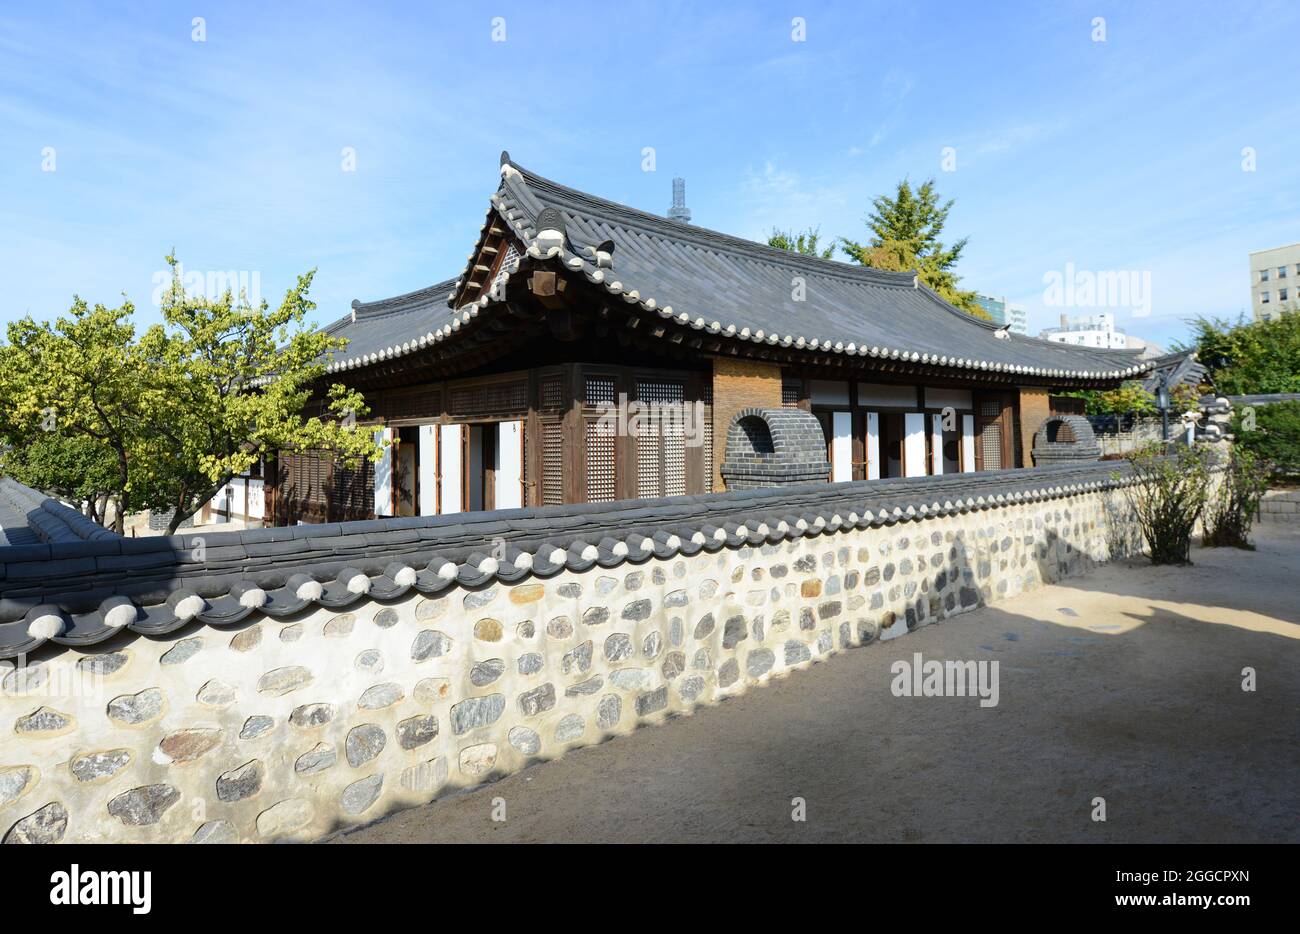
1035, 406
739, 384
1280, 506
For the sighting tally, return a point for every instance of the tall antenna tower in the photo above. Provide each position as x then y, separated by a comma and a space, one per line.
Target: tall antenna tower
679, 211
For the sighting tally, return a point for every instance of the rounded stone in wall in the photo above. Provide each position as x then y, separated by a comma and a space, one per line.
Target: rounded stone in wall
425, 609
360, 795
526, 629
796, 653
317, 759
182, 651
525, 740
487, 671
608, 711
637, 610
618, 646
387, 618
478, 599
673, 665
241, 783
529, 663
144, 805
424, 777
103, 665
652, 701
704, 628
16, 782
379, 696
285, 817
691, 688
94, 766
523, 594
488, 630
414, 732
307, 716
631, 679
340, 626
531, 703
430, 643
280, 681
216, 831
431, 690
135, 709
46, 825
652, 644
370, 661
247, 640
569, 728
25, 680
477, 760
759, 662
188, 745
363, 743
44, 721
560, 628
255, 726
291, 633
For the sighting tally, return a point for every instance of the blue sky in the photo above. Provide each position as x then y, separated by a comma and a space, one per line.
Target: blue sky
1117, 155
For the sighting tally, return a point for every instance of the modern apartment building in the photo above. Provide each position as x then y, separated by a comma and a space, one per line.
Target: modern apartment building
1097, 330
1274, 280
1003, 312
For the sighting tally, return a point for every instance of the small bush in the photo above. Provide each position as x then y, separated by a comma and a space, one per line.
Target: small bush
1229, 517
1168, 498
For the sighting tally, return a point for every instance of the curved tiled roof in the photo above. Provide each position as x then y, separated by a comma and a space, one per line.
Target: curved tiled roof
373, 326
725, 285
1182, 368
28, 517
78, 594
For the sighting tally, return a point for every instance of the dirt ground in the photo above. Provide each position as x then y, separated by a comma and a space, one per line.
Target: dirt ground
1125, 684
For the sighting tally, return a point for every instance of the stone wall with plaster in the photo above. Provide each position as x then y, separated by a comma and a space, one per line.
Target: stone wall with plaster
286, 730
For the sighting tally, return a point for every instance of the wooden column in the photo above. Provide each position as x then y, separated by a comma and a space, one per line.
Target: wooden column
1033, 409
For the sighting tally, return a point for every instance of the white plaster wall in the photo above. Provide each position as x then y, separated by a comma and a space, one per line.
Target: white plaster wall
210, 729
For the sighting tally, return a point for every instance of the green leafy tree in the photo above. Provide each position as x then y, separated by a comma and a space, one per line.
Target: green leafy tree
1249, 357
905, 236
191, 403
804, 242
1272, 434
75, 384
77, 468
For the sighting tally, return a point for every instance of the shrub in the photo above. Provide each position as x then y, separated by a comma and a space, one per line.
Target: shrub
1168, 498
1271, 433
1236, 504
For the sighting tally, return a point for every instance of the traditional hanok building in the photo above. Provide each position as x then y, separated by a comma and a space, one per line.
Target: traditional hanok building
591, 352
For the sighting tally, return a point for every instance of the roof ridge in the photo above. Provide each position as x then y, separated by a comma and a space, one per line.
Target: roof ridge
717, 239
402, 302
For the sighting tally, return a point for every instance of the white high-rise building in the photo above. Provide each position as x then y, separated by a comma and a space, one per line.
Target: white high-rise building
1274, 281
